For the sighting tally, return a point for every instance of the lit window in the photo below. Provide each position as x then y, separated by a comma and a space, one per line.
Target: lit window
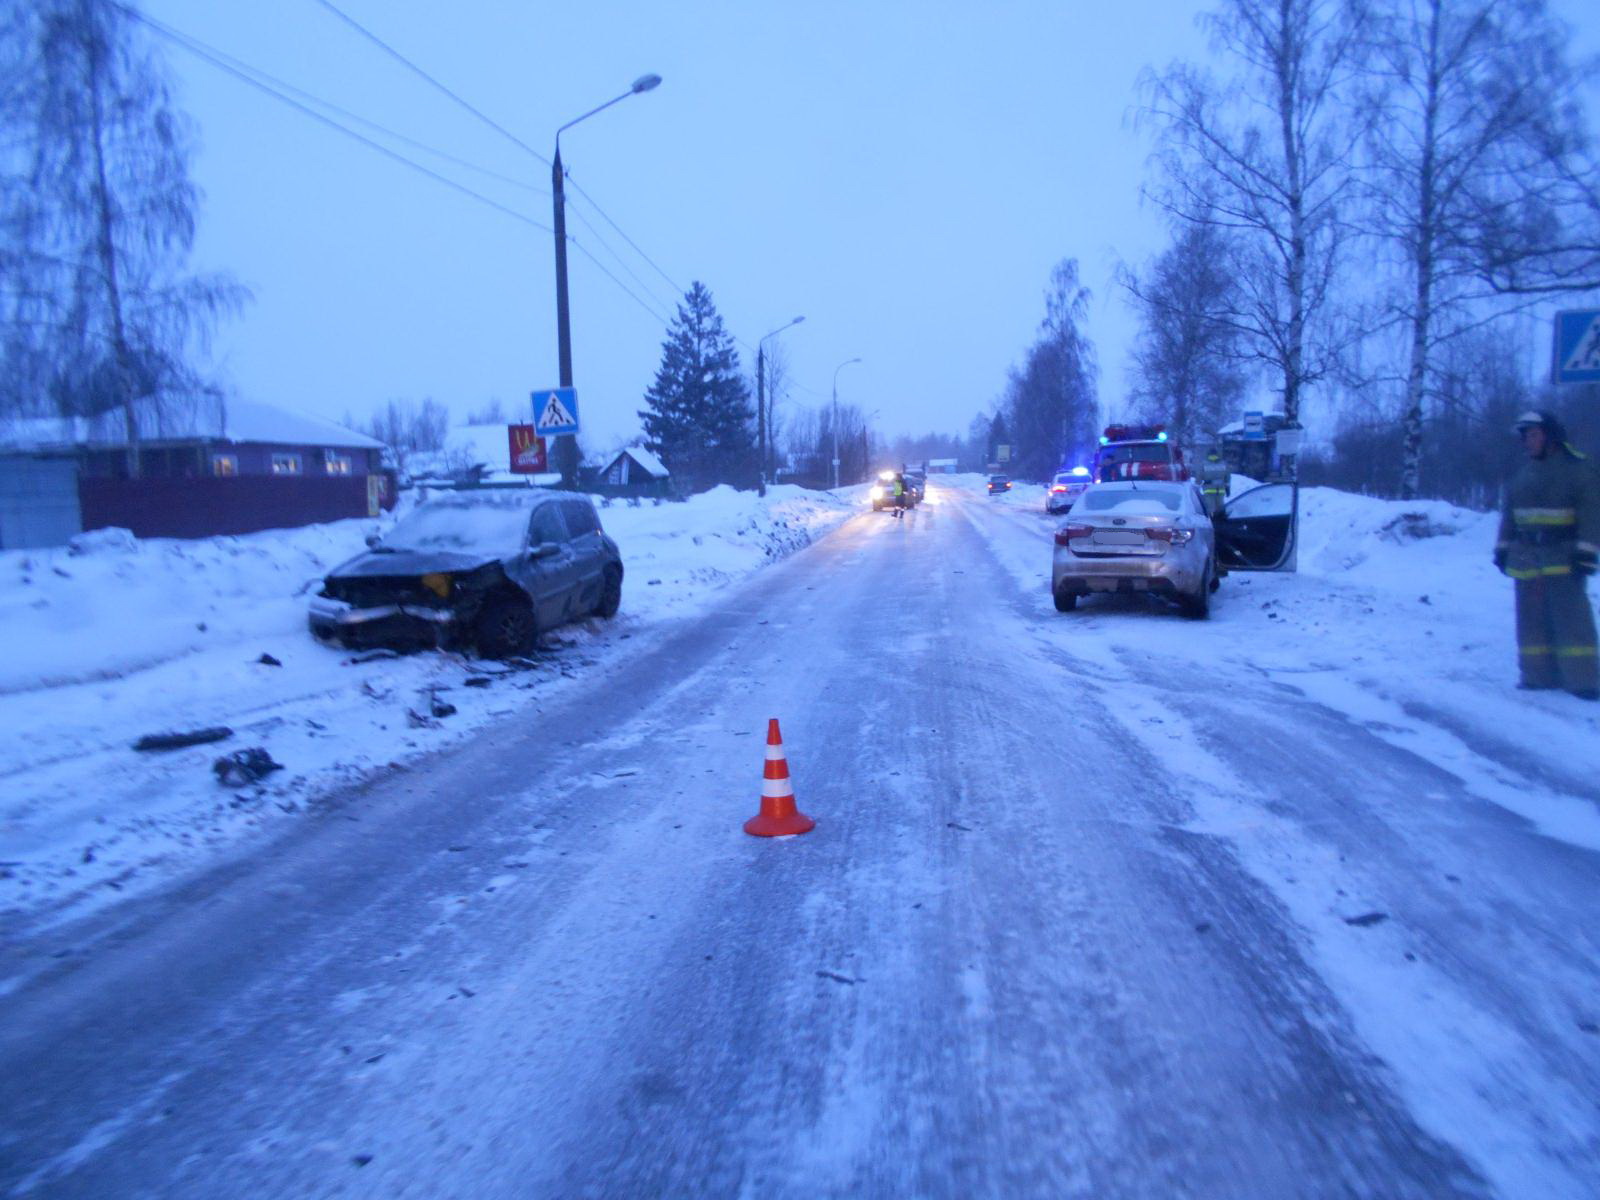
337, 464
224, 464
286, 464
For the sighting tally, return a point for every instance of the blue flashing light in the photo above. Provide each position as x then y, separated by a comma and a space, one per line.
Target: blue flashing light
1105, 441
1162, 436
1080, 470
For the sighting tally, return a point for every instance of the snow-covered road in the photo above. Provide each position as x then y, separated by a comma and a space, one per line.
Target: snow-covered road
1100, 904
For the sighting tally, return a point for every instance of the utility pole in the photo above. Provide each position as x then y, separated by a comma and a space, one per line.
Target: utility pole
567, 444
761, 404
566, 457
835, 419
761, 418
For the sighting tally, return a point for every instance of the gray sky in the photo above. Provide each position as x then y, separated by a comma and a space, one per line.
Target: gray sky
903, 174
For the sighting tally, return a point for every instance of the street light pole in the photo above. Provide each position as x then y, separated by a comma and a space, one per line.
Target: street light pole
761, 405
567, 444
834, 423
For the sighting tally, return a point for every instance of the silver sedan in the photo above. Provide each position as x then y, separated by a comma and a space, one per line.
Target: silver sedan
1145, 536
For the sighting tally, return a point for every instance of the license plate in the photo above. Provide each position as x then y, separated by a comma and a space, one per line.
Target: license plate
1120, 537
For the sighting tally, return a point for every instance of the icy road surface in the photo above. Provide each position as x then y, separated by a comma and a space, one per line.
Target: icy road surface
1096, 906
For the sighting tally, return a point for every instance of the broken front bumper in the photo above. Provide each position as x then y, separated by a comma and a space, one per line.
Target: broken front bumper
381, 624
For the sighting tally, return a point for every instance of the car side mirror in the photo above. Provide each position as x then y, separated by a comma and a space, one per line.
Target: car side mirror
545, 550
372, 541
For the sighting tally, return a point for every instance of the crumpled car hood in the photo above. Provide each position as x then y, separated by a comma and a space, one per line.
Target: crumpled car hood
404, 563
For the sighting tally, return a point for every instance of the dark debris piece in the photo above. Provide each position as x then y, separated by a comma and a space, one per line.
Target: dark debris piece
266, 660
177, 741
440, 708
373, 656
1366, 919
476, 681
245, 766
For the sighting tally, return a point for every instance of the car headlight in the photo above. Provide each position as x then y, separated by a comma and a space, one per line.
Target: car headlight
438, 583
877, 493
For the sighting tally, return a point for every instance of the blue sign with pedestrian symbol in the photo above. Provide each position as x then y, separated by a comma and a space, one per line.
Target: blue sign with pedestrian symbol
1577, 347
555, 411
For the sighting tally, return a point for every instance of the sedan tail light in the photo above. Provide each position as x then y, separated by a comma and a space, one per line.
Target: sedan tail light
1067, 532
1060, 487
1165, 533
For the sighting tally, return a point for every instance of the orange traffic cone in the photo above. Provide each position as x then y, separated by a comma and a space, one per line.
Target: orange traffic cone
778, 816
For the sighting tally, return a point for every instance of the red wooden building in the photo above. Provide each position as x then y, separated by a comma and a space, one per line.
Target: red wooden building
213, 467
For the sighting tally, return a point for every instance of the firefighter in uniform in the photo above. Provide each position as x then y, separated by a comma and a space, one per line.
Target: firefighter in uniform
1549, 541
1214, 482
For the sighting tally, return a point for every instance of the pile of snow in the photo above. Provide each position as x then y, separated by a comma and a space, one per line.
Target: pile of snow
113, 638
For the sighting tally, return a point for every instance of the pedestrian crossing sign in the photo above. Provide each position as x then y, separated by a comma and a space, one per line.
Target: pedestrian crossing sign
555, 411
1577, 347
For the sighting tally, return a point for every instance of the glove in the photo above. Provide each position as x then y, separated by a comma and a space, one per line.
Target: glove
1584, 562
1500, 559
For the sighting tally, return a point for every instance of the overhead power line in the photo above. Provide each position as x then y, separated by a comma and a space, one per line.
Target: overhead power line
218, 60
515, 140
414, 68
286, 93
455, 97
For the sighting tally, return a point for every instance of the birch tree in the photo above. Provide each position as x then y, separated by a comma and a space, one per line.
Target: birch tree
1472, 152
1264, 154
1186, 363
98, 307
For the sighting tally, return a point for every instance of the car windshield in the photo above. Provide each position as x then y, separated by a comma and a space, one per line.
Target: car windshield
1137, 452
1130, 500
480, 528
998, 479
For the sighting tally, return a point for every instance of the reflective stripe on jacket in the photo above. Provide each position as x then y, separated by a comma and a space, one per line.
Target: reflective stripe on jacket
1552, 511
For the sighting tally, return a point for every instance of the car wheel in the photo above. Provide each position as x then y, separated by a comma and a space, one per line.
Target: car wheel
1198, 606
610, 594
505, 627
1066, 601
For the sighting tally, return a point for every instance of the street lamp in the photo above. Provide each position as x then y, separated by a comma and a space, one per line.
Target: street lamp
761, 404
567, 444
835, 422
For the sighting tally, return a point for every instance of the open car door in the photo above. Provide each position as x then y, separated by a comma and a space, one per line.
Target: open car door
1256, 529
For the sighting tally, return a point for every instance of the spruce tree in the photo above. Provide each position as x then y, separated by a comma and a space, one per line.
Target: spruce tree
698, 416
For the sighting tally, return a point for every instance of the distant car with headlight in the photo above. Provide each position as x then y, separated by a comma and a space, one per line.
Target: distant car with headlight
1066, 487
489, 569
998, 484
1155, 537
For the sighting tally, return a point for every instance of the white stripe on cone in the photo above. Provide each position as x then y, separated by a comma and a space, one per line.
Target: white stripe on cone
775, 753
776, 789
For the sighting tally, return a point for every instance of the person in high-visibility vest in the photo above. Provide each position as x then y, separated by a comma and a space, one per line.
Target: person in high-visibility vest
1549, 543
899, 496
1214, 476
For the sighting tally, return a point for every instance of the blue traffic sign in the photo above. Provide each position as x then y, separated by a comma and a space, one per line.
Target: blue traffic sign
555, 411
1577, 347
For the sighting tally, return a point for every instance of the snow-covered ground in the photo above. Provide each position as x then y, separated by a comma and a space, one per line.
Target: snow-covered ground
1294, 901
119, 638
1398, 625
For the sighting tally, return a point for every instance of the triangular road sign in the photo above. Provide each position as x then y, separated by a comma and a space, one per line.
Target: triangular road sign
556, 411
1585, 354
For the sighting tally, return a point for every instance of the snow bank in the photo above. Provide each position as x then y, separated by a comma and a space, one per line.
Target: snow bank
112, 638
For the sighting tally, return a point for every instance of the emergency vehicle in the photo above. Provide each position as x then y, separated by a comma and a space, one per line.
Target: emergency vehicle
1138, 452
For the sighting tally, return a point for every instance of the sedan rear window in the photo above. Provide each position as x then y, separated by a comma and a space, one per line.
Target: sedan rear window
1131, 500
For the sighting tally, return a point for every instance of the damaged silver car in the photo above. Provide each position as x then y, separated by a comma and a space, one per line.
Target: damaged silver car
488, 569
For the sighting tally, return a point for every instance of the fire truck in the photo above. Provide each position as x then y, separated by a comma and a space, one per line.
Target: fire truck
1138, 452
